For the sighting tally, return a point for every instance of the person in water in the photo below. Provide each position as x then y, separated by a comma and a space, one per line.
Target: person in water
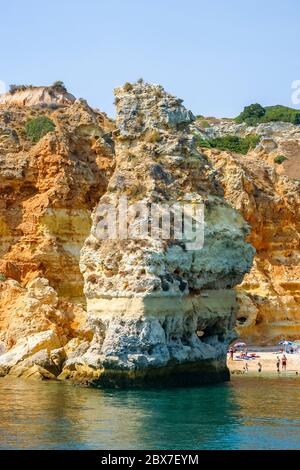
278, 364
283, 362
259, 367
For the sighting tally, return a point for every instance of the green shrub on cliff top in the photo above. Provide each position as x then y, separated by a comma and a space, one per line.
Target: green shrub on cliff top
256, 114
282, 113
58, 84
232, 143
36, 128
252, 114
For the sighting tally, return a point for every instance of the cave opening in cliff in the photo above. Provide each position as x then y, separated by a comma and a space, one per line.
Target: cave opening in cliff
214, 329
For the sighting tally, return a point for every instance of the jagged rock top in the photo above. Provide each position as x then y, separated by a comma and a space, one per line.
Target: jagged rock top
153, 141
157, 162
142, 106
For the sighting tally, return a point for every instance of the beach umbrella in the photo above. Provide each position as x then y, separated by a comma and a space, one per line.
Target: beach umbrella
239, 344
286, 343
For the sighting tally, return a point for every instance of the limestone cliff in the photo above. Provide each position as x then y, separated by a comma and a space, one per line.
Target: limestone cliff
267, 194
276, 139
47, 191
152, 310
160, 311
269, 296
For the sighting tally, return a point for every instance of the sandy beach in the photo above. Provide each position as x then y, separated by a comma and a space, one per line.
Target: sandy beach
268, 361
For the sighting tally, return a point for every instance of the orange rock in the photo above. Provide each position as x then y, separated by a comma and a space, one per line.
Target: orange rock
47, 193
270, 294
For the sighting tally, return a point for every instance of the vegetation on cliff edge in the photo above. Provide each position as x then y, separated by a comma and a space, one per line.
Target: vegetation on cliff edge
15, 88
232, 143
256, 114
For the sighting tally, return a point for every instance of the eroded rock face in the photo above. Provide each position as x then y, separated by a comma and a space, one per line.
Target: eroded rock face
267, 195
276, 139
25, 311
269, 296
47, 193
159, 310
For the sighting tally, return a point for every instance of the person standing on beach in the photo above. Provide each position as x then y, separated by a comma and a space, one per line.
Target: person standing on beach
283, 362
259, 367
278, 364
231, 353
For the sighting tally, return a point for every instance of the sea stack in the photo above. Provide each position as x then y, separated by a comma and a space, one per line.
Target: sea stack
162, 313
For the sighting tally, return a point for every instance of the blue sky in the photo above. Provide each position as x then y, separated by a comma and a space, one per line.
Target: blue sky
216, 55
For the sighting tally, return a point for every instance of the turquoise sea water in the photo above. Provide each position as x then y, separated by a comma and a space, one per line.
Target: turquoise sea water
243, 414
